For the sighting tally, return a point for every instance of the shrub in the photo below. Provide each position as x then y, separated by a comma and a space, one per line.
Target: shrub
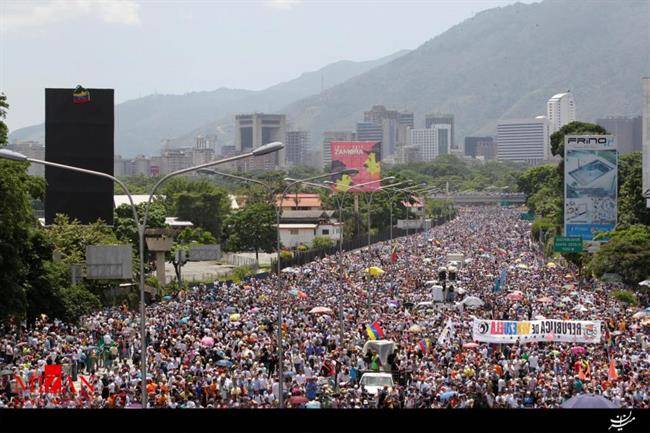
241, 272
321, 242
302, 248
286, 255
625, 296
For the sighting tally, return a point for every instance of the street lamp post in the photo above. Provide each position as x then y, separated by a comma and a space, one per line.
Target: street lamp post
370, 196
262, 150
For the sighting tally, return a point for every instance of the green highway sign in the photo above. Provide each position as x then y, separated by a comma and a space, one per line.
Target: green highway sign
527, 216
568, 244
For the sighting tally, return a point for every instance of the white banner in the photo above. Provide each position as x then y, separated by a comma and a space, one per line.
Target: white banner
547, 330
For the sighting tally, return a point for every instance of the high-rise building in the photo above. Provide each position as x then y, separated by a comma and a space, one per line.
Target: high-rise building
378, 113
296, 144
431, 142
626, 130
486, 150
472, 144
524, 140
560, 110
328, 137
444, 119
370, 131
176, 159
646, 139
255, 130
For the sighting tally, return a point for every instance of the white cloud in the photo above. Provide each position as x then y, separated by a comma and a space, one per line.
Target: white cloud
283, 4
17, 14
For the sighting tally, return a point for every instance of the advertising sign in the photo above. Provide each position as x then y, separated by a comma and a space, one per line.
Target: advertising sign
567, 244
364, 156
111, 262
528, 331
590, 185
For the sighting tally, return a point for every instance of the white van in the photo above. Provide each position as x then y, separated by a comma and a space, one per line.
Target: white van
373, 382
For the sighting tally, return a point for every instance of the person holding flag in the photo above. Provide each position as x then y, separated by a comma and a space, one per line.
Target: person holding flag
393, 254
424, 345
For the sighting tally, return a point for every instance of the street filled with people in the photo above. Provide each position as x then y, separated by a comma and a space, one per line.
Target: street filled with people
372, 321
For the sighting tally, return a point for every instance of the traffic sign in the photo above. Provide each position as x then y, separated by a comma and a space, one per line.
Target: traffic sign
568, 244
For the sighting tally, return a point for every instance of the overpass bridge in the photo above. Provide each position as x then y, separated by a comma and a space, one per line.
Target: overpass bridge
517, 198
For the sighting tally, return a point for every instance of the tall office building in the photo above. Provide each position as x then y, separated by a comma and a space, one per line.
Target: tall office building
560, 110
524, 140
431, 142
255, 130
370, 131
626, 130
296, 144
474, 144
443, 119
646, 139
394, 127
328, 137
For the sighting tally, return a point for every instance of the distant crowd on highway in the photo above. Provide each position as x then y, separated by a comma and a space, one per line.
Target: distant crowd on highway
216, 346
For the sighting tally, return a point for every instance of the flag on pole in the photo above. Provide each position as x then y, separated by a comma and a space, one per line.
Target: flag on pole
393, 254
374, 331
447, 333
502, 277
497, 285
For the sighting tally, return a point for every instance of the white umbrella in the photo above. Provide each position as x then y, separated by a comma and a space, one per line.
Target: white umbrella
580, 308
645, 283
472, 301
317, 310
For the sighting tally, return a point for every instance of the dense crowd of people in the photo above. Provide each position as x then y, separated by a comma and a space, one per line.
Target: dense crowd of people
216, 346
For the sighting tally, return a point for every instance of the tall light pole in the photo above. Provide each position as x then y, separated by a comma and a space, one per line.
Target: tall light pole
262, 150
382, 188
292, 182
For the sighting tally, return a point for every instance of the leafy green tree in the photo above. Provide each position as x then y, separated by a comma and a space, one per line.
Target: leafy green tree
3, 126
78, 301
631, 204
627, 253
573, 128
206, 210
126, 229
252, 228
321, 242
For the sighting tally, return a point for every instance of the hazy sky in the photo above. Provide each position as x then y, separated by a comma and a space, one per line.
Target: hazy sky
139, 48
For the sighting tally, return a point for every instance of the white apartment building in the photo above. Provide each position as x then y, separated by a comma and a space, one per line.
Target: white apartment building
560, 110
523, 140
432, 141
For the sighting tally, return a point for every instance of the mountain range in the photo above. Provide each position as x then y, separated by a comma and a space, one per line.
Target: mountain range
502, 63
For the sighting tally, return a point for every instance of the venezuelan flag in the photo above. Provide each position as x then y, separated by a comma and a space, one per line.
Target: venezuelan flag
425, 345
393, 254
374, 331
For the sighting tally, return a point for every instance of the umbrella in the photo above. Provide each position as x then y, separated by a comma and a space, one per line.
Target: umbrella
291, 270
167, 298
313, 405
374, 271
447, 394
302, 295
472, 301
546, 300
415, 328
224, 363
318, 310
577, 349
645, 283
470, 345
551, 265
230, 309
589, 401
522, 266
515, 296
207, 341
580, 308
184, 319
640, 314
555, 352
234, 317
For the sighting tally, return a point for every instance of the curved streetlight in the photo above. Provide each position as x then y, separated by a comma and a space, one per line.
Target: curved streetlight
262, 150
